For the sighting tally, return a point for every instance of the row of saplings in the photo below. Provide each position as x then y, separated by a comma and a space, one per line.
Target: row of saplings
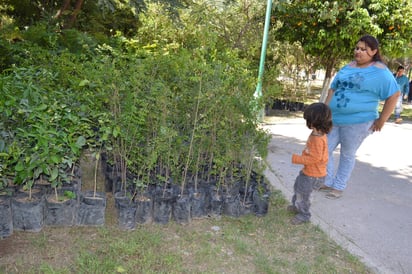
153, 203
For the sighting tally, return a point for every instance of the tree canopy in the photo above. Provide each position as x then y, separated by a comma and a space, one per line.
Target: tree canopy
325, 31
329, 29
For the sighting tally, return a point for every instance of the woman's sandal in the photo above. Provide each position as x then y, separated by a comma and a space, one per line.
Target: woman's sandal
325, 188
334, 194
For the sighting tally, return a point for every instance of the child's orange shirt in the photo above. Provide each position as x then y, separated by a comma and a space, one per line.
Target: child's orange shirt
314, 157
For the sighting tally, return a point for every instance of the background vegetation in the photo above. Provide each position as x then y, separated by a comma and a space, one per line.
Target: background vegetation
304, 35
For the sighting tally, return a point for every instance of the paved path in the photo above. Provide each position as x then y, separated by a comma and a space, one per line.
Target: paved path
373, 219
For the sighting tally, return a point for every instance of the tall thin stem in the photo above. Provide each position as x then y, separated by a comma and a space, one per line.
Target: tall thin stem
191, 138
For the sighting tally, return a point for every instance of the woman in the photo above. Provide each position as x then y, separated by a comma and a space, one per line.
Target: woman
353, 97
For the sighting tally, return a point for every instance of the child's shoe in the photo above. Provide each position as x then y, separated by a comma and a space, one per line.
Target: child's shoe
297, 221
292, 209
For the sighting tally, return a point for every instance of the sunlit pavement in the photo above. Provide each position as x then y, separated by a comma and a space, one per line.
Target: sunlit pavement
373, 219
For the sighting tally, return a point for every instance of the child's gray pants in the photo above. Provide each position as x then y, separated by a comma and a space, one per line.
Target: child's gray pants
303, 187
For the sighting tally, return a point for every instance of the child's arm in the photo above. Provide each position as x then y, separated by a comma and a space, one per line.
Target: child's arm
313, 153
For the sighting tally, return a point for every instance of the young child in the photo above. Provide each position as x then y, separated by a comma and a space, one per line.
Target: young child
314, 159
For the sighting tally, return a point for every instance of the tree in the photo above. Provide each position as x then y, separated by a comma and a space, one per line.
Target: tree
330, 29
73, 15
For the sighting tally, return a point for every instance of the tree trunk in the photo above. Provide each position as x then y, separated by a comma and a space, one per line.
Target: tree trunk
327, 81
64, 7
73, 17
76, 11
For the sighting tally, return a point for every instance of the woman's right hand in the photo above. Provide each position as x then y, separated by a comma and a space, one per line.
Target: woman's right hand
377, 125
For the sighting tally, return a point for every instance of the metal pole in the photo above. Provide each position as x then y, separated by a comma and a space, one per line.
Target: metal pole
258, 91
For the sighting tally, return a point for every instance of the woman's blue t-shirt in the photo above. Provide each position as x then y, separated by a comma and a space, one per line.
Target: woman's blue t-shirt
357, 92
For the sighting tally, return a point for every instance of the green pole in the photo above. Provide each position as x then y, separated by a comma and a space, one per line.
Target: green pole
258, 92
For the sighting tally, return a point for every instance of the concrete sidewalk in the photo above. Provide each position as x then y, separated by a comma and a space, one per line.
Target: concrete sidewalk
373, 219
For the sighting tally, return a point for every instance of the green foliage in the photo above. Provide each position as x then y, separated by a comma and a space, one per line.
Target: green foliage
41, 34
95, 17
25, 12
330, 29
40, 132
166, 106
395, 22
76, 42
174, 101
69, 194
177, 100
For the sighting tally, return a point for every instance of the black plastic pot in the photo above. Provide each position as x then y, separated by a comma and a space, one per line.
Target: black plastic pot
6, 218
144, 212
215, 202
92, 209
246, 199
231, 205
199, 204
28, 214
60, 213
162, 209
181, 210
261, 203
126, 211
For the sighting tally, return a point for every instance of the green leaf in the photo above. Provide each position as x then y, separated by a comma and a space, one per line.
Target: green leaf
69, 194
55, 159
19, 167
84, 83
81, 141
41, 107
116, 131
54, 174
37, 172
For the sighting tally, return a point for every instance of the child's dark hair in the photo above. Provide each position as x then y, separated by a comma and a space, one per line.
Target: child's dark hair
318, 116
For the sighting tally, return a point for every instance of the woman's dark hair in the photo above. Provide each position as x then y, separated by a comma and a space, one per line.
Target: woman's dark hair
318, 116
373, 43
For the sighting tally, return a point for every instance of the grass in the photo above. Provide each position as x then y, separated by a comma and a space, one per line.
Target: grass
248, 244
406, 113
